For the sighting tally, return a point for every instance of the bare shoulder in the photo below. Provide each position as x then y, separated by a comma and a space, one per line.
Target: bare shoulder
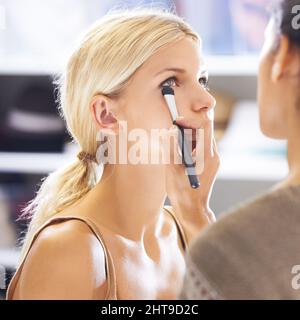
66, 261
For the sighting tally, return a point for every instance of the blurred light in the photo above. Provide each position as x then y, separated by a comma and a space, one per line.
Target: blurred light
2, 18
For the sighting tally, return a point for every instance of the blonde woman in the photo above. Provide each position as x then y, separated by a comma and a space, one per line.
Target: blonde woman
113, 238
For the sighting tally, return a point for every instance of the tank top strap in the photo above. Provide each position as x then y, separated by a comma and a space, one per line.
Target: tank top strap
109, 266
181, 232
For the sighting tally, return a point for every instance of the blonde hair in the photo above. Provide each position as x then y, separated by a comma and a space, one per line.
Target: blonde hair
106, 58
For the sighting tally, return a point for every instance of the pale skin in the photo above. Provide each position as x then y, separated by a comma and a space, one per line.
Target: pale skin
143, 241
127, 202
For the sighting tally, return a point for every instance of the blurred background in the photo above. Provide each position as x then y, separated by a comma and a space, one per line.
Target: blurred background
35, 39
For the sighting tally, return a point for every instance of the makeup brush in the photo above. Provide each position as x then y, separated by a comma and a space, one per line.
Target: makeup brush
169, 96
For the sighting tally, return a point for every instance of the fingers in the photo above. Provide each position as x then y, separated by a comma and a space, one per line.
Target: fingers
205, 142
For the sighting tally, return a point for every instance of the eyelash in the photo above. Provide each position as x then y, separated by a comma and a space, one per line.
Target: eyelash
204, 81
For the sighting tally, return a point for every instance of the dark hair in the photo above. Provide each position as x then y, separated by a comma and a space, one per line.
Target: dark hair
284, 16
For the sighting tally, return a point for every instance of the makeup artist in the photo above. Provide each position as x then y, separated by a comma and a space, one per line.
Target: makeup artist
252, 252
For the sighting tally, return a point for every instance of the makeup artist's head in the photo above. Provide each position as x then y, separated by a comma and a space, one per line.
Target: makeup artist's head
279, 74
114, 75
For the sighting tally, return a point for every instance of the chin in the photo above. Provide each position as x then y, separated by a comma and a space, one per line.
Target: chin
271, 131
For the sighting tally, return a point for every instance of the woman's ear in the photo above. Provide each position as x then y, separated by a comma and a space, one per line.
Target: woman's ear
286, 62
101, 110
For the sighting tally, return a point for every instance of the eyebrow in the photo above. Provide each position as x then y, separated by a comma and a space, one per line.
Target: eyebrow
178, 70
171, 69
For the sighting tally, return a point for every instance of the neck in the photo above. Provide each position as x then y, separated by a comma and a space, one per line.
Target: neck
293, 147
129, 199
294, 162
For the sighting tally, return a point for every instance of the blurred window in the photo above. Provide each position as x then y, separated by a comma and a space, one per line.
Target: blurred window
46, 30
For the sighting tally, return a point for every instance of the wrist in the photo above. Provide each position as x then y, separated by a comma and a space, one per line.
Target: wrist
193, 211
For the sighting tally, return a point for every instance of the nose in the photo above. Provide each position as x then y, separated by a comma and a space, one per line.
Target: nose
202, 99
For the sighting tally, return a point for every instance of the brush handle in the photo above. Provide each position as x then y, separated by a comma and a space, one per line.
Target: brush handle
187, 159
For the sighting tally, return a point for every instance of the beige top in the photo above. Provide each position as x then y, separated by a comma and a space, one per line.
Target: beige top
109, 264
251, 252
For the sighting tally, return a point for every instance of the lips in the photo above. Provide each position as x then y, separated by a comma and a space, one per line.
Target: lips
190, 123
188, 126
190, 135
191, 129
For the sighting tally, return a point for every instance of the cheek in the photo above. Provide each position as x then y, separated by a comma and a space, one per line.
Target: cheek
148, 112
271, 111
156, 114
265, 97
263, 93
264, 81
269, 96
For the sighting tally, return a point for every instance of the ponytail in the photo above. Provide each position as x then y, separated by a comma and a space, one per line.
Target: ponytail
58, 191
